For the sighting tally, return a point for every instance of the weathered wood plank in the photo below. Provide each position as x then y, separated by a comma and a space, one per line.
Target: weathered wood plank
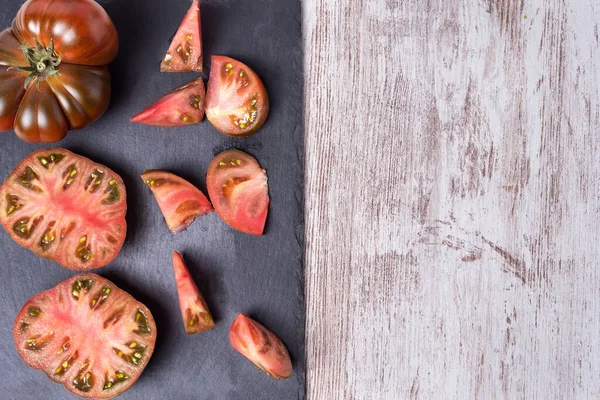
452, 198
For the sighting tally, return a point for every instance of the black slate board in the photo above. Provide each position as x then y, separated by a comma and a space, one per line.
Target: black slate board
259, 276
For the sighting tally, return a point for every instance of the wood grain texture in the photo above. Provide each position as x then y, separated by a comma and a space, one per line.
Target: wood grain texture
452, 199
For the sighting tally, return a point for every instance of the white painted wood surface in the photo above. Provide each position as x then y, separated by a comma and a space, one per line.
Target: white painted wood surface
452, 199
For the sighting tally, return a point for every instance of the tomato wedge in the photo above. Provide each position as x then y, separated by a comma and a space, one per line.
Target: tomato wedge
183, 106
194, 310
66, 208
237, 186
236, 101
185, 51
261, 346
87, 334
180, 202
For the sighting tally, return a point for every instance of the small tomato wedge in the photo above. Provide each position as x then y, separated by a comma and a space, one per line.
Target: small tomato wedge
66, 208
185, 51
194, 310
180, 202
237, 186
183, 106
236, 100
261, 346
86, 334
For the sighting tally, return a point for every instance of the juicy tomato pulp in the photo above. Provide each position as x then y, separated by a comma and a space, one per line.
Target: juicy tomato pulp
87, 334
261, 346
194, 310
66, 208
183, 106
180, 202
236, 101
53, 74
185, 51
238, 188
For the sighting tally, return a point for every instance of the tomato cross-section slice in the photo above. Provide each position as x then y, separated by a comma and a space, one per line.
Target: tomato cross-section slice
180, 202
87, 334
236, 100
194, 310
66, 208
261, 346
185, 51
237, 186
183, 106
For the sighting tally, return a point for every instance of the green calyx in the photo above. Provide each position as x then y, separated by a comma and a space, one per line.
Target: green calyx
42, 62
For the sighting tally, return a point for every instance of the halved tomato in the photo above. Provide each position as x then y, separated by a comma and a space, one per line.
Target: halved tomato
183, 106
261, 346
180, 202
87, 334
238, 188
194, 310
185, 51
66, 208
236, 101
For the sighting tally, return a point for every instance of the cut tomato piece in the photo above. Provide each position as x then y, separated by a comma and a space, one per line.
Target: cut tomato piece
194, 310
261, 346
87, 334
236, 101
66, 208
238, 188
180, 202
185, 51
183, 106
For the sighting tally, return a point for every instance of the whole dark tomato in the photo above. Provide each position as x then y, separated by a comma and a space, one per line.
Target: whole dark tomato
53, 68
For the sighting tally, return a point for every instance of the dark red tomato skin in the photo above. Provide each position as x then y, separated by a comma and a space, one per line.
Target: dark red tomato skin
40, 118
181, 107
82, 92
237, 103
11, 81
85, 40
261, 346
87, 37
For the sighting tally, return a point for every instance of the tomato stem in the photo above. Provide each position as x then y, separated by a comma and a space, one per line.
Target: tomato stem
42, 62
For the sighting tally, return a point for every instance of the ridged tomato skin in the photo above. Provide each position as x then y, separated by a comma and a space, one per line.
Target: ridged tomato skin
71, 89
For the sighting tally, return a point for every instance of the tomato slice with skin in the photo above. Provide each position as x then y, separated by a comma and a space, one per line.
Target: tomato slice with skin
66, 208
194, 310
183, 106
180, 202
185, 51
261, 346
237, 103
238, 188
87, 334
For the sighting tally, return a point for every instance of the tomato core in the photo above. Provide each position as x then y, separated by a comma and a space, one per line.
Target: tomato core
42, 62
